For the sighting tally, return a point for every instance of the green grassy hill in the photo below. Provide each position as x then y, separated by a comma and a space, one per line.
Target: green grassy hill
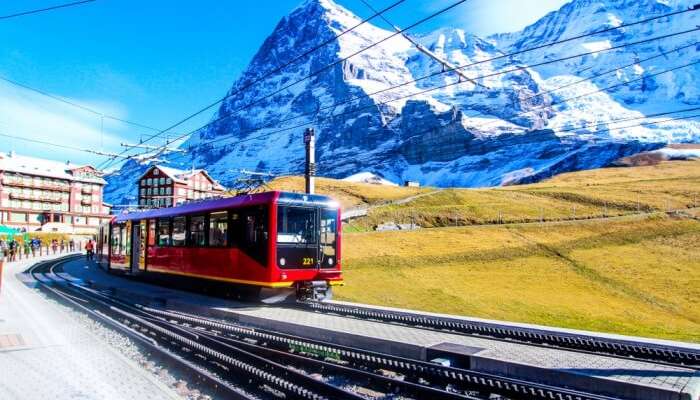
608, 257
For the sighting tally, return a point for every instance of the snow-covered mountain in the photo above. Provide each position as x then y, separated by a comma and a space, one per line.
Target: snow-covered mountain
507, 120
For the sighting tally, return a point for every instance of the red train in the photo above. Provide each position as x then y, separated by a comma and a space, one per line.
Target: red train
272, 244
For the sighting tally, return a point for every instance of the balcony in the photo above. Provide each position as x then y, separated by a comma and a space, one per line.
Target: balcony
21, 196
22, 184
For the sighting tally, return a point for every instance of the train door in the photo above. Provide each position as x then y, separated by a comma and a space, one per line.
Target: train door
138, 246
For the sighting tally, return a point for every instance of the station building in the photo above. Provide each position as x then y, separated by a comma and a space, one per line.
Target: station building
162, 186
40, 194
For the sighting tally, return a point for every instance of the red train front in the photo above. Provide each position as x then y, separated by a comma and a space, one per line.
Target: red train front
273, 243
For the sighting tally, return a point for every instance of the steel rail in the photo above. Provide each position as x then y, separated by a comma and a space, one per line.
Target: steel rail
225, 345
420, 379
675, 356
186, 369
238, 366
413, 370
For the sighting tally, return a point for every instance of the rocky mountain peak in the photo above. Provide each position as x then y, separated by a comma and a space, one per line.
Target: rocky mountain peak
397, 112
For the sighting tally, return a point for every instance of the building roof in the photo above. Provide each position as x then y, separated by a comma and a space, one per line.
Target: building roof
183, 175
42, 167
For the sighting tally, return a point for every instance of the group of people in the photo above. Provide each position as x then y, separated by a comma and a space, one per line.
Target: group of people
11, 248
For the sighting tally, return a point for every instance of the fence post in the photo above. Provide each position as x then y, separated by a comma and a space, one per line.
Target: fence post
605, 209
639, 210
541, 214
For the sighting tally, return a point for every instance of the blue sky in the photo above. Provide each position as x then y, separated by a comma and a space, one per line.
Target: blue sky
157, 61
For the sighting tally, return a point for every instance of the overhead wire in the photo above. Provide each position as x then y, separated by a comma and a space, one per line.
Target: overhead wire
522, 51
379, 104
276, 70
57, 145
77, 105
40, 10
464, 66
435, 128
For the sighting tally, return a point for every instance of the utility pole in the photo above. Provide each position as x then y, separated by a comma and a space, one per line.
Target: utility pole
310, 170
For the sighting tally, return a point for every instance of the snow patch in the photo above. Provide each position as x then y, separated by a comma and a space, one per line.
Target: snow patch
368, 177
597, 46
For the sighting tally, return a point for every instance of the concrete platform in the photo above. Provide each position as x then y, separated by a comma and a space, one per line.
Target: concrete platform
619, 377
47, 353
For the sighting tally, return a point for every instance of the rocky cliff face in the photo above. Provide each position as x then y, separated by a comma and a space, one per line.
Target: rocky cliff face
505, 125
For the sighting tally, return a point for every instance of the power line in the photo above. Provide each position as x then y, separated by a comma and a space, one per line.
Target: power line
337, 62
80, 106
590, 78
598, 75
75, 3
445, 63
416, 135
434, 74
274, 71
62, 146
375, 105
605, 89
228, 115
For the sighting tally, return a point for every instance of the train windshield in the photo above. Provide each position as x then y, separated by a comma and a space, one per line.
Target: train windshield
296, 225
307, 237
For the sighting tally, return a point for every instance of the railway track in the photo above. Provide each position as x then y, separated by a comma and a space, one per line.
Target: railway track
657, 353
247, 363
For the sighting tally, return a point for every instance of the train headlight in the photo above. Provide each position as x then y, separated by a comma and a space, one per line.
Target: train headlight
330, 260
283, 276
282, 261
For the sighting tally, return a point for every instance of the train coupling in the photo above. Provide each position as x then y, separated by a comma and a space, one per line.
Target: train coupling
314, 290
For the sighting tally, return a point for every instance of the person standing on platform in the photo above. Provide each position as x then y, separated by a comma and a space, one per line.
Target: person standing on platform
13, 249
71, 245
54, 245
90, 250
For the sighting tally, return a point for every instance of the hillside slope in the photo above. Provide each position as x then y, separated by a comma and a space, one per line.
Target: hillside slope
636, 274
599, 193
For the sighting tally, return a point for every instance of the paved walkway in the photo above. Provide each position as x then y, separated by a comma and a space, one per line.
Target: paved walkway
49, 353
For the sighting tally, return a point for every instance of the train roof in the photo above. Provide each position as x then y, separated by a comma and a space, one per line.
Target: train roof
231, 202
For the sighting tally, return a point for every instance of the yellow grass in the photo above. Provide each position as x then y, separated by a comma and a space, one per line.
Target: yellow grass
633, 275
578, 195
349, 194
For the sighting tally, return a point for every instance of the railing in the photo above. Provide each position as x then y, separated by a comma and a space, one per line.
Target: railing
16, 183
21, 196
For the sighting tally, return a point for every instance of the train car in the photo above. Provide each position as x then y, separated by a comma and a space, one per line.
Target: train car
273, 244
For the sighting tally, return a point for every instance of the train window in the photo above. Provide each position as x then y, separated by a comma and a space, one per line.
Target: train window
197, 231
164, 232
250, 230
116, 240
179, 231
296, 225
328, 232
126, 239
218, 229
